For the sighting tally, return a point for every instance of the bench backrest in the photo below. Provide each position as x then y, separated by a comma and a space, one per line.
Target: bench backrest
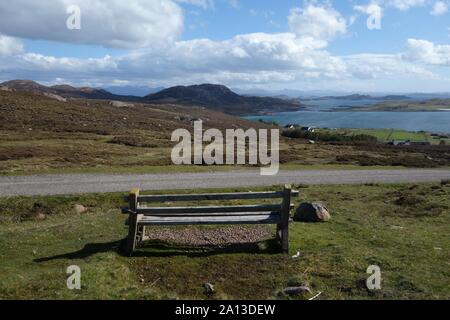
136, 200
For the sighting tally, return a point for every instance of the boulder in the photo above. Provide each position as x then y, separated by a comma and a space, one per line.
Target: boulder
312, 212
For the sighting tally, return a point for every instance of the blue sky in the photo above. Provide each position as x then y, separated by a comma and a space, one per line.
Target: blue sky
249, 44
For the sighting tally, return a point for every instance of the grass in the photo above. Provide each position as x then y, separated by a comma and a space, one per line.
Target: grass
386, 135
402, 228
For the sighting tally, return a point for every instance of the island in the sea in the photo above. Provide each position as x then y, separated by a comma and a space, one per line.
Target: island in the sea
433, 105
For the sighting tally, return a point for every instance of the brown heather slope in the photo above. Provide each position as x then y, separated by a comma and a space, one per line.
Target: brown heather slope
39, 133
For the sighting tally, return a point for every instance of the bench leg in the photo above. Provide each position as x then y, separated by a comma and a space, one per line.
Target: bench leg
132, 235
285, 239
285, 216
134, 219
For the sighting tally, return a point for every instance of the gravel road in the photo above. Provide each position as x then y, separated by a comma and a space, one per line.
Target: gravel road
60, 184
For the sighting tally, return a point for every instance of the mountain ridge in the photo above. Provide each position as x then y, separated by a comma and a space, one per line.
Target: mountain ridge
212, 96
65, 91
220, 98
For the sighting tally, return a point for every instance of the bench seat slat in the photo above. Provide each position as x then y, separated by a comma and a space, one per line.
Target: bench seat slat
268, 218
212, 196
208, 209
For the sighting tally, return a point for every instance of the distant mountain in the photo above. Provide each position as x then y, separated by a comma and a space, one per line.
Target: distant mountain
218, 97
138, 91
26, 85
65, 91
215, 97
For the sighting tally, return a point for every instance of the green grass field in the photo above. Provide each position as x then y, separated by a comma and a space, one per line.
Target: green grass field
386, 135
402, 228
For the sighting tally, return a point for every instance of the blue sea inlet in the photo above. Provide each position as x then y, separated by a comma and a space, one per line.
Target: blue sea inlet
438, 122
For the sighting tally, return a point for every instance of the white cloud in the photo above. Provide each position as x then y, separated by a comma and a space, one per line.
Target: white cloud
10, 46
245, 59
249, 54
427, 52
406, 4
205, 4
319, 22
111, 23
375, 66
439, 8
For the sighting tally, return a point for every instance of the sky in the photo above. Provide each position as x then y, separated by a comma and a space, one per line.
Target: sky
347, 45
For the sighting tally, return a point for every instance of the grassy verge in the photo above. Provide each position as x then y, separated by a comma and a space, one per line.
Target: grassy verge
402, 228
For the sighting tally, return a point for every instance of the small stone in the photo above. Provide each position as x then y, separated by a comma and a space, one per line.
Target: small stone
295, 291
41, 216
80, 209
208, 289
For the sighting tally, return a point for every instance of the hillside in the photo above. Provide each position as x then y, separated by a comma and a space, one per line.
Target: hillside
215, 97
221, 98
64, 91
39, 133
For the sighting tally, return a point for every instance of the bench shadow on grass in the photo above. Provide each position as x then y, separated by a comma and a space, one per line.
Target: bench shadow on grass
158, 248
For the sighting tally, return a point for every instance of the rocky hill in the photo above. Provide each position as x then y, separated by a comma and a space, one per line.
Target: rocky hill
221, 98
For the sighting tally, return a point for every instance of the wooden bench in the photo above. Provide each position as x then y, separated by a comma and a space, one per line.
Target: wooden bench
140, 215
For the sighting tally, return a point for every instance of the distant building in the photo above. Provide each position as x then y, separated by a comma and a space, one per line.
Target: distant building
399, 143
309, 129
295, 126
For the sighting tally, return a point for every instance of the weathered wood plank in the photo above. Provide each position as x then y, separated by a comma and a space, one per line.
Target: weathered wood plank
211, 196
208, 209
212, 214
212, 220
